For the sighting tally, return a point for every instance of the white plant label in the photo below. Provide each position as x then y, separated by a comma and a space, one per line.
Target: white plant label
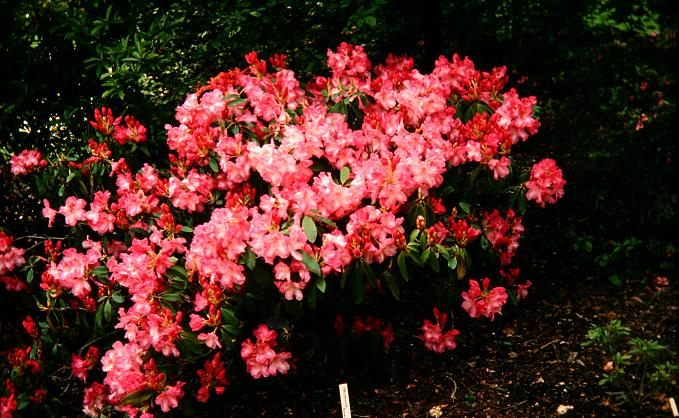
344, 399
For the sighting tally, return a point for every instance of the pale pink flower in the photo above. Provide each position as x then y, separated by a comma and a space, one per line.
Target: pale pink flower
73, 210
500, 167
169, 398
48, 212
26, 162
210, 339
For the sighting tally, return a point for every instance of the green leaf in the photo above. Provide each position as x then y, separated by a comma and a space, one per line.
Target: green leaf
108, 311
402, 266
465, 207
23, 403
138, 397
229, 317
393, 286
309, 228
615, 280
71, 176
323, 219
170, 296
425, 255
311, 263
100, 272
522, 203
369, 273
98, 317
434, 262
452, 263
231, 329
29, 276
320, 284
249, 259
484, 243
235, 102
187, 229
214, 166
344, 174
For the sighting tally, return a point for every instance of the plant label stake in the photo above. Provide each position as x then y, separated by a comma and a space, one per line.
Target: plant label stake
344, 399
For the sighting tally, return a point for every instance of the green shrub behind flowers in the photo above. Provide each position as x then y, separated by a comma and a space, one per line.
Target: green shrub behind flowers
277, 200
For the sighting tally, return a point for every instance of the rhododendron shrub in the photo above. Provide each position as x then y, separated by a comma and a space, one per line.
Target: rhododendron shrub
183, 276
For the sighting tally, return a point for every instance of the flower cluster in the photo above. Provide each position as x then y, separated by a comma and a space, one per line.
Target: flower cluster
546, 182
260, 357
433, 336
486, 302
371, 324
26, 162
11, 258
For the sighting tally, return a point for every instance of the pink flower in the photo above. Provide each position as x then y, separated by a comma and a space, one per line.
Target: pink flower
26, 162
522, 290
210, 339
48, 212
134, 131
11, 257
500, 167
169, 398
260, 357
80, 366
94, 400
483, 303
73, 210
546, 183
433, 336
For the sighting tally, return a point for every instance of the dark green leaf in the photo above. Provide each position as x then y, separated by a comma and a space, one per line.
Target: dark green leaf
138, 397
100, 272
249, 259
229, 317
434, 262
214, 166
320, 284
108, 311
323, 219
311, 263
231, 329
170, 296
393, 286
402, 266
484, 243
